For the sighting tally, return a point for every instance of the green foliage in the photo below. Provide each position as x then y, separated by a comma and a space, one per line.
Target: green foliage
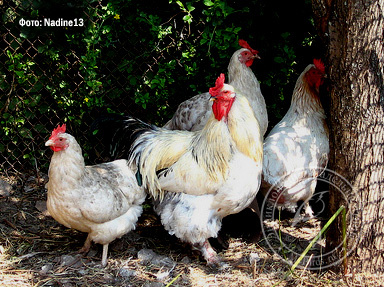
280, 78
14, 111
198, 34
138, 57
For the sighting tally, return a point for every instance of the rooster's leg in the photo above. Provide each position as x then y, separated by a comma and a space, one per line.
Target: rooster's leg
208, 253
87, 245
105, 254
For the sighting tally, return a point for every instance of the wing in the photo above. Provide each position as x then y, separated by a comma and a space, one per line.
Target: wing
109, 190
274, 160
187, 176
192, 114
292, 160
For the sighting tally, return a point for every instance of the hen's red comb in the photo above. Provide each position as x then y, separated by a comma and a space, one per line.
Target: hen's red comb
245, 45
214, 91
319, 65
59, 129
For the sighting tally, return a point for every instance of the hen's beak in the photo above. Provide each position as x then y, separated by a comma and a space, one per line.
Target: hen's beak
49, 143
256, 56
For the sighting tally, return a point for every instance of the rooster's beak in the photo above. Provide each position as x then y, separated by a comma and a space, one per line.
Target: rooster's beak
256, 56
212, 99
49, 143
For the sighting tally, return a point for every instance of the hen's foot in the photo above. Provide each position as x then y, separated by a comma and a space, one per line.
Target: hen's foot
105, 255
308, 211
86, 247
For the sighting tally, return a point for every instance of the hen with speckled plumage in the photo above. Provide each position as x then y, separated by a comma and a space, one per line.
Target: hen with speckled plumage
103, 200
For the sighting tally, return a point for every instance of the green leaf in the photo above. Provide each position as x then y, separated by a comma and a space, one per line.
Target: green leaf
40, 128
180, 4
43, 108
19, 74
285, 35
25, 133
37, 87
208, 3
6, 116
279, 60
133, 81
190, 7
187, 18
9, 54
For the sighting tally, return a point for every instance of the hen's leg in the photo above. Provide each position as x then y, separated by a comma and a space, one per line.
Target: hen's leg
209, 254
308, 210
105, 254
87, 245
254, 206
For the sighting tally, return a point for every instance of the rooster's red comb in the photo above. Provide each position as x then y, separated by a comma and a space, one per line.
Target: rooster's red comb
319, 65
245, 45
59, 129
219, 84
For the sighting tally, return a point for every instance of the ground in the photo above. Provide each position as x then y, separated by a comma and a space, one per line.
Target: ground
37, 251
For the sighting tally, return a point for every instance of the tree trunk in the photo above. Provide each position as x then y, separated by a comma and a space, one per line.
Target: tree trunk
352, 31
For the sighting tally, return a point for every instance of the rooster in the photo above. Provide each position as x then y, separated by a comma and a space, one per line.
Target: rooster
193, 114
296, 150
198, 178
103, 200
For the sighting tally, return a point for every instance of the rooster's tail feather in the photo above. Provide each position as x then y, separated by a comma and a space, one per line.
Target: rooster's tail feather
118, 133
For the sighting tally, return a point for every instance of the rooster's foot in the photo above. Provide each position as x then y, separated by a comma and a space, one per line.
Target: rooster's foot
209, 254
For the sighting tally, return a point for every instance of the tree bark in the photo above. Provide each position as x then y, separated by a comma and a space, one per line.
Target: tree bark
352, 31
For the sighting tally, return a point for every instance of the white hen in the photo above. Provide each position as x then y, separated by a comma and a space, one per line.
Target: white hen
103, 200
296, 150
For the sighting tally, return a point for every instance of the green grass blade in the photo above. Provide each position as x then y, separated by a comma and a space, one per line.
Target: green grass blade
322, 231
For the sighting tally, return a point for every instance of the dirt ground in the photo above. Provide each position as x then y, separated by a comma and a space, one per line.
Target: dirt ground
35, 250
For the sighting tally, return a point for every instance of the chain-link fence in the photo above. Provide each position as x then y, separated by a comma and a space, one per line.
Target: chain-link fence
70, 61
65, 62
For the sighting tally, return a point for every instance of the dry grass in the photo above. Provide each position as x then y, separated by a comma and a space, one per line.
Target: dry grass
37, 251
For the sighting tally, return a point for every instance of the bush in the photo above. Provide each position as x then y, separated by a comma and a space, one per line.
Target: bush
137, 57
